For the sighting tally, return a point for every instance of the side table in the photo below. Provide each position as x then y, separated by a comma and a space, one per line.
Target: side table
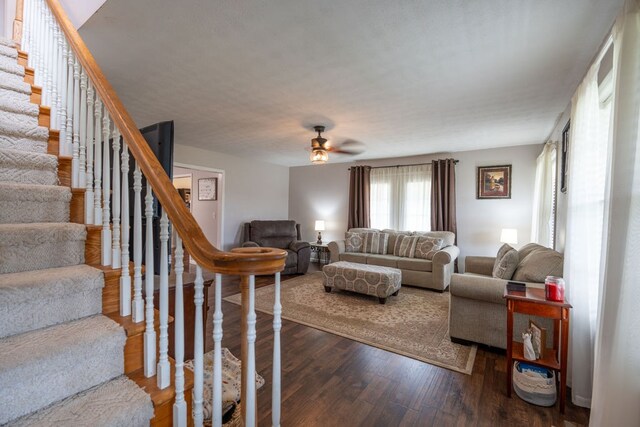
321, 250
533, 302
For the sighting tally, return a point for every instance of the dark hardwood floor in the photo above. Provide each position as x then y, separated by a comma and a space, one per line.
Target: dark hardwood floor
328, 380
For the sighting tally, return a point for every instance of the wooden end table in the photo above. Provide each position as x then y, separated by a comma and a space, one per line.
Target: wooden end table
533, 302
322, 252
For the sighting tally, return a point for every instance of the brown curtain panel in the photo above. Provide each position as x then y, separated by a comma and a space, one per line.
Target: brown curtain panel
359, 188
443, 196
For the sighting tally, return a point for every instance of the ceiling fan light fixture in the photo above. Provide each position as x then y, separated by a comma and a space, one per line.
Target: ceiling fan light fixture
318, 157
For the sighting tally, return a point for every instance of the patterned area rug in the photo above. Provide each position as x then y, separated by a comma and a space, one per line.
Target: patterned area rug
414, 324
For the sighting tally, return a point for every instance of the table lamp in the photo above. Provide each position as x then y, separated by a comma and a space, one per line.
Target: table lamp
509, 235
319, 229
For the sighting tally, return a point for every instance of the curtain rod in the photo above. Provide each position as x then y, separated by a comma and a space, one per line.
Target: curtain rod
399, 166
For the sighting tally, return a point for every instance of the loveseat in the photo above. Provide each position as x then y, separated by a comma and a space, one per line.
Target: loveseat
281, 234
478, 311
432, 273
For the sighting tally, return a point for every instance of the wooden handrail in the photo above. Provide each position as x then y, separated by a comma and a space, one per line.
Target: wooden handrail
237, 261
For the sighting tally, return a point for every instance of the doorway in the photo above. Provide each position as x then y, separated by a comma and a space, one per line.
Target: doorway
202, 189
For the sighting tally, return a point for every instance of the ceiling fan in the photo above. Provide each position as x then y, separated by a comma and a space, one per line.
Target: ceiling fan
320, 149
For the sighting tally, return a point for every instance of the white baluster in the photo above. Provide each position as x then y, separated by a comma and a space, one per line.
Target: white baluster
54, 76
217, 354
62, 92
69, 124
179, 405
75, 162
46, 84
41, 27
115, 211
275, 384
163, 374
137, 305
198, 350
250, 414
97, 164
106, 190
88, 193
26, 22
50, 47
51, 43
149, 333
33, 45
35, 29
60, 82
82, 126
125, 277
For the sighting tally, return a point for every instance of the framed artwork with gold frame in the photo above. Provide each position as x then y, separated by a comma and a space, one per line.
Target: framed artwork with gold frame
493, 182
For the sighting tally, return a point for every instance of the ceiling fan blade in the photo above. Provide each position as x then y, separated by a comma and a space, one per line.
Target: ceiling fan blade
349, 146
348, 152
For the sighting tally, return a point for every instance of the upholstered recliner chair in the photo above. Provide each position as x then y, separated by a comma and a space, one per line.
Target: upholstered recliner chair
282, 234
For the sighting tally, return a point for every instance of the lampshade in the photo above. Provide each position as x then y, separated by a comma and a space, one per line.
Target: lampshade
319, 225
319, 156
509, 235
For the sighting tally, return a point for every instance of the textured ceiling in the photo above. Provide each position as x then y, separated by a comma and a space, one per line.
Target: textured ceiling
250, 78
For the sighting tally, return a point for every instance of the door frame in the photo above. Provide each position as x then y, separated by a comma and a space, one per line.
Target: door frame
221, 195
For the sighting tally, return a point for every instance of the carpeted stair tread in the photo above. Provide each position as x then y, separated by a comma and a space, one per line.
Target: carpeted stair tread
117, 403
37, 299
27, 167
17, 103
24, 115
23, 126
16, 86
10, 65
27, 247
9, 52
6, 75
42, 367
7, 42
29, 203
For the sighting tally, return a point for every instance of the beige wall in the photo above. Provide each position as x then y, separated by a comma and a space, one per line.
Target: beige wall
321, 192
253, 190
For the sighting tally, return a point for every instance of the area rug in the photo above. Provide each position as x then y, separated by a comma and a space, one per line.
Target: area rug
415, 323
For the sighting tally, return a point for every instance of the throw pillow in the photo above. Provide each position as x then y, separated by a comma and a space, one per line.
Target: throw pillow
426, 247
405, 246
375, 243
353, 242
539, 264
393, 237
503, 250
507, 265
528, 248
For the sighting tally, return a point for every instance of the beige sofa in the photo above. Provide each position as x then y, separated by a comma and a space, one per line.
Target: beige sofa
478, 311
432, 274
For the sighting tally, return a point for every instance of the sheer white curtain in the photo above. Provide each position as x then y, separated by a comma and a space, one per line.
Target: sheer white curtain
542, 223
400, 198
588, 145
616, 395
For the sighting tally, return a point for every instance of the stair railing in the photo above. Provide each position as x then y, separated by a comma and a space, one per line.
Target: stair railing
97, 132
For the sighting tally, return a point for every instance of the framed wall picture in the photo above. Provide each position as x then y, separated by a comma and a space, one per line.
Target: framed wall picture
208, 189
493, 182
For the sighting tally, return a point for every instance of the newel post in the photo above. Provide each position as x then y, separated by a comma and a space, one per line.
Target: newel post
18, 22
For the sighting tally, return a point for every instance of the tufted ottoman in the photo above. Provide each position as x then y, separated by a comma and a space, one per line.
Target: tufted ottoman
362, 278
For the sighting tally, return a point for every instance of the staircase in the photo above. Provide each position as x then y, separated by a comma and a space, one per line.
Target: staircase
62, 362
81, 342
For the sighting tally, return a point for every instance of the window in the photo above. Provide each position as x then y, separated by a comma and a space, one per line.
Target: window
401, 198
